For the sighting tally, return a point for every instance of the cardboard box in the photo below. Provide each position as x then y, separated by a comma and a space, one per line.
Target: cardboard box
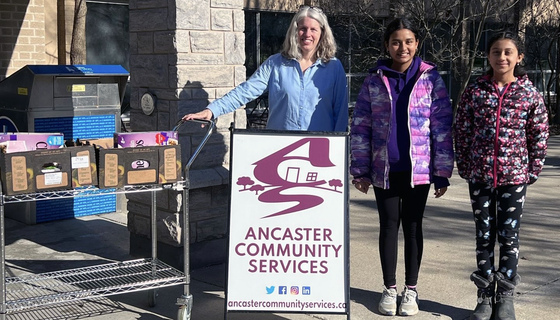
105, 143
52, 169
48, 170
110, 167
135, 166
84, 166
141, 165
146, 139
17, 173
170, 169
29, 141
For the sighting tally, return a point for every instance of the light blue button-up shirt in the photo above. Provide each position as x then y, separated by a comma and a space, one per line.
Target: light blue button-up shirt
316, 100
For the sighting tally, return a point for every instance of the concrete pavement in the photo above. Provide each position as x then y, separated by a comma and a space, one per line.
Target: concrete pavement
445, 290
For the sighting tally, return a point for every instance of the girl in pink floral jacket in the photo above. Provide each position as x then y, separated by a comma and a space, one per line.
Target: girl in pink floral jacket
501, 132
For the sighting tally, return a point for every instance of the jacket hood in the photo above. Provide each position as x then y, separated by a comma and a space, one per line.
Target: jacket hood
385, 65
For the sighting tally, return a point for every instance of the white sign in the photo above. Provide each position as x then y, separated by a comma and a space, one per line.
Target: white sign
53, 178
79, 162
288, 247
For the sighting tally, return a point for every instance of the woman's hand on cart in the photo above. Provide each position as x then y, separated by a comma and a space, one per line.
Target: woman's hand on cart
205, 114
204, 117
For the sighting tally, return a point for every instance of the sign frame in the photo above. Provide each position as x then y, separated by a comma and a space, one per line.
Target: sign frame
288, 237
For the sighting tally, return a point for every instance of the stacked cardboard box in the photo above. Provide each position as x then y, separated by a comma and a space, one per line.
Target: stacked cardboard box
139, 165
37, 162
146, 139
48, 170
25, 141
152, 157
101, 163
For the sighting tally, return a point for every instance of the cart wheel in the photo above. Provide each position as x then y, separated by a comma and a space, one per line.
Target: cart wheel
152, 297
183, 313
185, 307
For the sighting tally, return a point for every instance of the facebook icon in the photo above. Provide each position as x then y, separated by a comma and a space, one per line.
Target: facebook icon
282, 290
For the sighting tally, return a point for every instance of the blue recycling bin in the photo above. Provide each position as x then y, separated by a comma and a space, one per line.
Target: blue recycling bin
80, 101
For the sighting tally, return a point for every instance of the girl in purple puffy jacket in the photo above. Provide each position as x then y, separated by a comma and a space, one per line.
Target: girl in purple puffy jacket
401, 142
501, 131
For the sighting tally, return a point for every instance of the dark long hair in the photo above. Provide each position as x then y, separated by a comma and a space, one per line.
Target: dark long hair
518, 71
398, 24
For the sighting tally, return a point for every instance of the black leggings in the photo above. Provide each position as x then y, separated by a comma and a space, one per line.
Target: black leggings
399, 203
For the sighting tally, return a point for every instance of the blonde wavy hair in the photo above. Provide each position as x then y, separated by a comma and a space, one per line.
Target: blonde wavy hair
326, 48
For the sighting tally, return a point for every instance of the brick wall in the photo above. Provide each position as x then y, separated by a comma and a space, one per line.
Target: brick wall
22, 34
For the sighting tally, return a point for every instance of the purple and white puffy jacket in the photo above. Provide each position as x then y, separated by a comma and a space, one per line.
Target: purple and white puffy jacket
430, 118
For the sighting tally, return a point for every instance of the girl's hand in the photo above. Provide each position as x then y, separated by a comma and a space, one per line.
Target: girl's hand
440, 192
363, 186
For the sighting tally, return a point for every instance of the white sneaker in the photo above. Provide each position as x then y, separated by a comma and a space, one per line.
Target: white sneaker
388, 302
409, 303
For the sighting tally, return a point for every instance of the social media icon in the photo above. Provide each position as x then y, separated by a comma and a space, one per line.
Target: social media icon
306, 291
269, 290
294, 290
282, 290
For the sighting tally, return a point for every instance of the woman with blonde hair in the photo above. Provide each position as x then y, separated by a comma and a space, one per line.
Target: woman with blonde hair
306, 83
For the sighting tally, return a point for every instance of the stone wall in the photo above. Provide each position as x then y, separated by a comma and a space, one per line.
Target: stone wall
289, 6
187, 53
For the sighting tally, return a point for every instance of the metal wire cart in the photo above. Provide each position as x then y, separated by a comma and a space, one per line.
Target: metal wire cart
37, 290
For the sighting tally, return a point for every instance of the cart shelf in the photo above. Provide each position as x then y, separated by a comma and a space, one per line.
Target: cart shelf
55, 288
35, 290
88, 191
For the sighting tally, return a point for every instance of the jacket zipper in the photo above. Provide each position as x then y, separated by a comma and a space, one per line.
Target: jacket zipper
408, 126
386, 169
386, 173
496, 138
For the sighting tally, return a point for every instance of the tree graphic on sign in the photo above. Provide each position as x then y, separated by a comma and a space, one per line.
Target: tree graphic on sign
245, 181
257, 188
335, 183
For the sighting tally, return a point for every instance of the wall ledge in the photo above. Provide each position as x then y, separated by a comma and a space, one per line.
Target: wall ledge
208, 177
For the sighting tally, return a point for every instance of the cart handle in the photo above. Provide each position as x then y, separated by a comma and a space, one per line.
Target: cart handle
210, 124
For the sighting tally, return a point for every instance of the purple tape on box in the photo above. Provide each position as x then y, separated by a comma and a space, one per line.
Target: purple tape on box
146, 139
